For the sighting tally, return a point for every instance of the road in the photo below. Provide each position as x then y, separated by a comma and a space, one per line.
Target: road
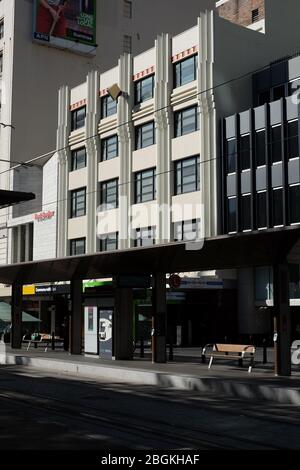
44, 411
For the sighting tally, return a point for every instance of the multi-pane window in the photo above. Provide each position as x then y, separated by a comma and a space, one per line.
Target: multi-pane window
260, 147
231, 214
109, 241
127, 8
293, 139
246, 212
261, 209
78, 202
187, 230
294, 205
277, 207
245, 152
231, 156
185, 71
276, 141
1, 28
145, 187
145, 236
77, 247
78, 118
187, 175
186, 121
144, 89
144, 135
255, 15
109, 194
109, 148
108, 106
127, 44
78, 159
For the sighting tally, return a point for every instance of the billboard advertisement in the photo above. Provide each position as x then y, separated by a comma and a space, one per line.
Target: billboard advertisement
66, 23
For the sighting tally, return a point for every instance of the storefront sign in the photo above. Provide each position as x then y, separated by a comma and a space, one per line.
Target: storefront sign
41, 216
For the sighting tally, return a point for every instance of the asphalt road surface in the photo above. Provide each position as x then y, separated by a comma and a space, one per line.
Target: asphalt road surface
44, 411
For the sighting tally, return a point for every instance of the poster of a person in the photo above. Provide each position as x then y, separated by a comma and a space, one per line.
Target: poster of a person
51, 19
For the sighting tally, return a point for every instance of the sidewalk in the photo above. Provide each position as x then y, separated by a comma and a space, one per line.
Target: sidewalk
186, 372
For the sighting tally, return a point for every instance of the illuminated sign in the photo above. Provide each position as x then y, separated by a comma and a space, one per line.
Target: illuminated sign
61, 23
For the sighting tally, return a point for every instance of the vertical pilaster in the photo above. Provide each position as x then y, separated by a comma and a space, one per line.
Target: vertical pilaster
92, 148
162, 97
125, 134
76, 316
207, 134
63, 169
16, 316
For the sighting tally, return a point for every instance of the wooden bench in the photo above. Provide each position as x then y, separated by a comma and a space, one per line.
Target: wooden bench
230, 351
43, 338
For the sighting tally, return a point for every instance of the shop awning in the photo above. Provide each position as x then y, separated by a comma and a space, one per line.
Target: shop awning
5, 314
9, 198
262, 248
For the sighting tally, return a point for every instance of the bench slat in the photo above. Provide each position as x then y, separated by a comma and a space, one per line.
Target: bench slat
238, 348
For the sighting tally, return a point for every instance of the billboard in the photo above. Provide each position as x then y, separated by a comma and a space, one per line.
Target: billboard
67, 24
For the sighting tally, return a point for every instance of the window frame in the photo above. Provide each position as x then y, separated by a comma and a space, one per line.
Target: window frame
177, 71
106, 100
74, 118
138, 132
74, 156
104, 148
179, 121
74, 200
138, 89
139, 194
75, 240
179, 174
105, 206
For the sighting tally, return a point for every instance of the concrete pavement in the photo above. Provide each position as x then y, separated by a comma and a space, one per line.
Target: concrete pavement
186, 372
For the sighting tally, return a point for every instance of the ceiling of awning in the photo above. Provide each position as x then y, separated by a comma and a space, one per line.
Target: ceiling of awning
224, 252
9, 198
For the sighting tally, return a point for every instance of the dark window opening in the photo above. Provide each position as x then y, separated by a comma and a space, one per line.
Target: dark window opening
231, 156
261, 210
293, 139
294, 204
255, 15
245, 152
231, 211
260, 143
277, 207
276, 143
246, 212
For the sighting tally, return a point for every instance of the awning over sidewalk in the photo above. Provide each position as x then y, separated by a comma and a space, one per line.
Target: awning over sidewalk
5, 314
9, 198
260, 248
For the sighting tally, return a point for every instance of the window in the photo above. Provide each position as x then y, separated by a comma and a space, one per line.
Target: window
277, 207
245, 152
264, 97
276, 144
127, 44
78, 118
187, 230
1, 63
187, 175
278, 92
108, 106
231, 156
260, 144
294, 87
294, 204
246, 212
77, 247
144, 89
231, 211
109, 148
185, 71
145, 236
78, 203
293, 139
1, 28
109, 242
145, 189
144, 135
263, 283
110, 194
78, 159
127, 8
186, 121
261, 209
255, 15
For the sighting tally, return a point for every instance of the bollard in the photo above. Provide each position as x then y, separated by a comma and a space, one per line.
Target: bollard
142, 353
171, 352
265, 358
53, 341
